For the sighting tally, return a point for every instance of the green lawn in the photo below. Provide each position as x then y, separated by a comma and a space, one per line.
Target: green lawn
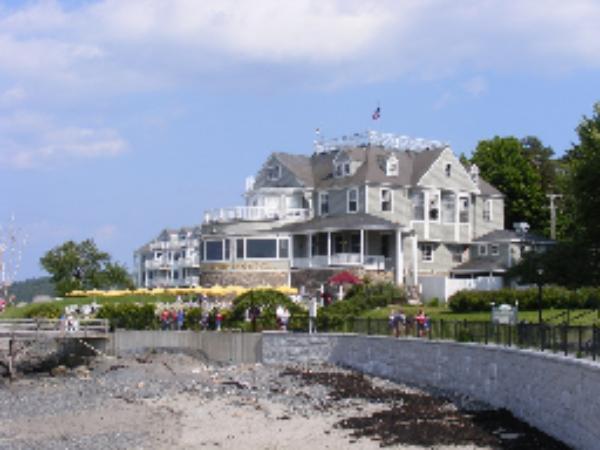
12, 312
576, 317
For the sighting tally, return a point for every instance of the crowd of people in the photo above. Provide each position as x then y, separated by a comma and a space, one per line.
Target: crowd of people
401, 325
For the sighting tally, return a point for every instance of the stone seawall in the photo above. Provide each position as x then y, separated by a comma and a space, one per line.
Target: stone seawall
225, 347
554, 393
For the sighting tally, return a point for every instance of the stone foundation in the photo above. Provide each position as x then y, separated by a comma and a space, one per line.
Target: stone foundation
244, 278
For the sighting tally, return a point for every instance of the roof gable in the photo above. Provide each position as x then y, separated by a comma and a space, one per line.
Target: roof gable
446, 171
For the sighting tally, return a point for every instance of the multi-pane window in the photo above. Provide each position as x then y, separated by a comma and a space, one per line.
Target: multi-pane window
457, 254
494, 249
483, 250
261, 248
448, 207
386, 199
214, 250
434, 206
239, 249
352, 200
342, 169
487, 210
427, 252
274, 172
463, 211
391, 167
284, 248
324, 203
418, 201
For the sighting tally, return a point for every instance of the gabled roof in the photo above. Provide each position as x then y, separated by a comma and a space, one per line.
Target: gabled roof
317, 171
299, 165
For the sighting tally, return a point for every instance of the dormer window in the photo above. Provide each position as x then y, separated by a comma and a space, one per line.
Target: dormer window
448, 170
391, 166
342, 169
274, 172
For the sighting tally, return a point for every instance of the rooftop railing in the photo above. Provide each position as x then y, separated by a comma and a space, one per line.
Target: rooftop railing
254, 214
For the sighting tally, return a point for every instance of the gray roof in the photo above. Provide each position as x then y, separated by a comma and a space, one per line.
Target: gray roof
341, 222
299, 165
510, 235
479, 265
487, 189
317, 170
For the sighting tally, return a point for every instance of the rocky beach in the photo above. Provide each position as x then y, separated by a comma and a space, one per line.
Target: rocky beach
161, 400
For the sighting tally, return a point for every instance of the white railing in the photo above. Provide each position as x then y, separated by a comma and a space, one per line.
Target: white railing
164, 263
157, 264
254, 213
370, 262
174, 245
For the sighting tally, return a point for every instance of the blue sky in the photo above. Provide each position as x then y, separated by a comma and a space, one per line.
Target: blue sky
119, 118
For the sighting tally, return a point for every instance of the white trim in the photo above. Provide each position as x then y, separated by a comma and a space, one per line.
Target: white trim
391, 201
482, 250
490, 218
355, 190
366, 199
320, 198
422, 247
455, 163
494, 250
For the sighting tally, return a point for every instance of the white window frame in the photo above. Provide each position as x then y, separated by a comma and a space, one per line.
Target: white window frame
391, 166
355, 190
458, 254
435, 200
321, 195
494, 250
488, 211
423, 257
448, 170
381, 191
270, 175
482, 250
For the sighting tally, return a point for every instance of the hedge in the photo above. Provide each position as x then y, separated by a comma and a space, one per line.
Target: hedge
552, 297
129, 316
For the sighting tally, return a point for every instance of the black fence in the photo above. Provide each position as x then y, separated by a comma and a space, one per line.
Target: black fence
577, 341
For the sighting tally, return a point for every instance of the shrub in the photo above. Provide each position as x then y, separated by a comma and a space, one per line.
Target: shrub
44, 310
130, 316
267, 301
552, 297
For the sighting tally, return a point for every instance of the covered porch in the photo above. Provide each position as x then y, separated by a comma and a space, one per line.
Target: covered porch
357, 240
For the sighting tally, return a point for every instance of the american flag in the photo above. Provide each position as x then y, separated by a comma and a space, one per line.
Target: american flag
376, 114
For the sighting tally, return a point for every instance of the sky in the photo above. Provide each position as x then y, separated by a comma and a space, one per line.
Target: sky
120, 118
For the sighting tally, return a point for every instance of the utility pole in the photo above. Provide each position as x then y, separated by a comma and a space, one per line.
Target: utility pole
553, 214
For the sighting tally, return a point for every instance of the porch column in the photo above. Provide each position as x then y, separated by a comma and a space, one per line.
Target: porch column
415, 263
399, 258
329, 248
362, 246
310, 236
291, 250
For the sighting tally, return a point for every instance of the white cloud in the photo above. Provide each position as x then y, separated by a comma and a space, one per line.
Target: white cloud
12, 96
145, 44
29, 140
475, 86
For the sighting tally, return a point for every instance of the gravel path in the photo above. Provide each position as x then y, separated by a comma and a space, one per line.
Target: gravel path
163, 400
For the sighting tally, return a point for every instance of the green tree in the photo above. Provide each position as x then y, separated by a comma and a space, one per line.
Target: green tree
583, 188
505, 163
83, 266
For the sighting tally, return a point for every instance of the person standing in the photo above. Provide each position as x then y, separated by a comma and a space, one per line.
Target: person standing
312, 315
180, 319
218, 320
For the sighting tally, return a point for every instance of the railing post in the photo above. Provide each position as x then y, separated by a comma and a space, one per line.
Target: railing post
579, 340
485, 333
565, 339
442, 329
594, 341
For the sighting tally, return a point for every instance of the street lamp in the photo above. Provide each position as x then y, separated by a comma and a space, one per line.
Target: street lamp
540, 283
